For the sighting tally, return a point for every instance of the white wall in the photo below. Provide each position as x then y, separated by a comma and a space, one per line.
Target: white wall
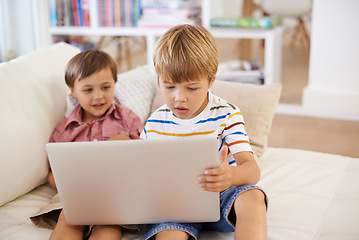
227, 8
5, 38
334, 62
17, 26
24, 26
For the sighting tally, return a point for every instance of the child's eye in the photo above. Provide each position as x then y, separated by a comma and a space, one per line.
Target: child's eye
87, 90
106, 87
192, 89
169, 87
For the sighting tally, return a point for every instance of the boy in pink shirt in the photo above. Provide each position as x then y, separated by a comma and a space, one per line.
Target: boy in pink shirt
91, 76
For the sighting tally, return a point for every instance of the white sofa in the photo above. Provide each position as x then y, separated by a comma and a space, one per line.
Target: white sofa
311, 195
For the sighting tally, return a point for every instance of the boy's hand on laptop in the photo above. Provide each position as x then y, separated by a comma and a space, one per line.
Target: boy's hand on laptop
217, 179
119, 137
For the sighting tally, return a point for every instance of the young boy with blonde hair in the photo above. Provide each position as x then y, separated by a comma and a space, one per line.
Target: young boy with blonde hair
186, 61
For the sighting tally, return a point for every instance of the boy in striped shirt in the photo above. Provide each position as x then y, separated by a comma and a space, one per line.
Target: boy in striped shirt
186, 61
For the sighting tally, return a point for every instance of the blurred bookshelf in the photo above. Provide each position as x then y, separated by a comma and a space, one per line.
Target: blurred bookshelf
122, 14
150, 19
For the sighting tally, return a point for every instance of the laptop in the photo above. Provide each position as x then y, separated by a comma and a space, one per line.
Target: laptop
135, 181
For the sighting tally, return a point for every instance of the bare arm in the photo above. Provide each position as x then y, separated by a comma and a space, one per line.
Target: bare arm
221, 178
247, 170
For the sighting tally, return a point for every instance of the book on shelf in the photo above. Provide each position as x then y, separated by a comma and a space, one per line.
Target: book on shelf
180, 12
253, 77
127, 14
160, 13
265, 23
247, 71
75, 9
118, 13
85, 12
69, 13
110, 13
164, 21
170, 4
53, 13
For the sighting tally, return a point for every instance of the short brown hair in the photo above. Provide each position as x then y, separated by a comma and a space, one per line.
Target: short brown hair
186, 52
87, 63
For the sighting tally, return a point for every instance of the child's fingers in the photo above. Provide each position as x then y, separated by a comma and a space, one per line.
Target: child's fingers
214, 183
217, 179
212, 187
212, 178
215, 171
223, 155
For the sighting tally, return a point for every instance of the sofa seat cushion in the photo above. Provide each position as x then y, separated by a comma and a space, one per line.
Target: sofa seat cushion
311, 195
15, 220
15, 223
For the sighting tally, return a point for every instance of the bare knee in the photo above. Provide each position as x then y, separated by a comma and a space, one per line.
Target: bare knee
253, 195
253, 198
108, 232
172, 234
65, 230
250, 213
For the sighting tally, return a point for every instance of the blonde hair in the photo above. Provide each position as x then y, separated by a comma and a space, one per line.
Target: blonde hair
87, 63
186, 52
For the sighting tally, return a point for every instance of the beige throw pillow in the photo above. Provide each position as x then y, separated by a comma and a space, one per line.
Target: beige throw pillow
33, 93
257, 103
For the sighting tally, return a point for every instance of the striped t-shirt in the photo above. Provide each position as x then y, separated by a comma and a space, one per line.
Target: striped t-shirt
219, 119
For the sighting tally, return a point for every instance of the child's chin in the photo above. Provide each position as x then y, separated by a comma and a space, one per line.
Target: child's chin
181, 116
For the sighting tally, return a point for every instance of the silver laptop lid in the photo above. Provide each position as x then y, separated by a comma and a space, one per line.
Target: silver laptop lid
135, 181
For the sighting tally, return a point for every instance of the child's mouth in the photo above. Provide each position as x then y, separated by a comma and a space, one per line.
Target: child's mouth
98, 106
181, 110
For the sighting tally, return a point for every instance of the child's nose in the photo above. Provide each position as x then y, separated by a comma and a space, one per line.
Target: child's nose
180, 96
98, 94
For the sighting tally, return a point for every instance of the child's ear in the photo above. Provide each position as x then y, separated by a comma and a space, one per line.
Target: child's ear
211, 82
158, 81
72, 92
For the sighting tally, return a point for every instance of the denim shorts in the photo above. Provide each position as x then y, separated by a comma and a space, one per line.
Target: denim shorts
227, 198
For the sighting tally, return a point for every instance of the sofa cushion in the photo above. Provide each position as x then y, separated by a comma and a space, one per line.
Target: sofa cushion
33, 93
256, 102
15, 221
134, 89
311, 195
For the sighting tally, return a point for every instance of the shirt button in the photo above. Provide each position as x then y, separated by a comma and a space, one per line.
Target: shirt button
96, 123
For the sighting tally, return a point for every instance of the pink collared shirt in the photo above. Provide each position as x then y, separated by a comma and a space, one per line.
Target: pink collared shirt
118, 120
